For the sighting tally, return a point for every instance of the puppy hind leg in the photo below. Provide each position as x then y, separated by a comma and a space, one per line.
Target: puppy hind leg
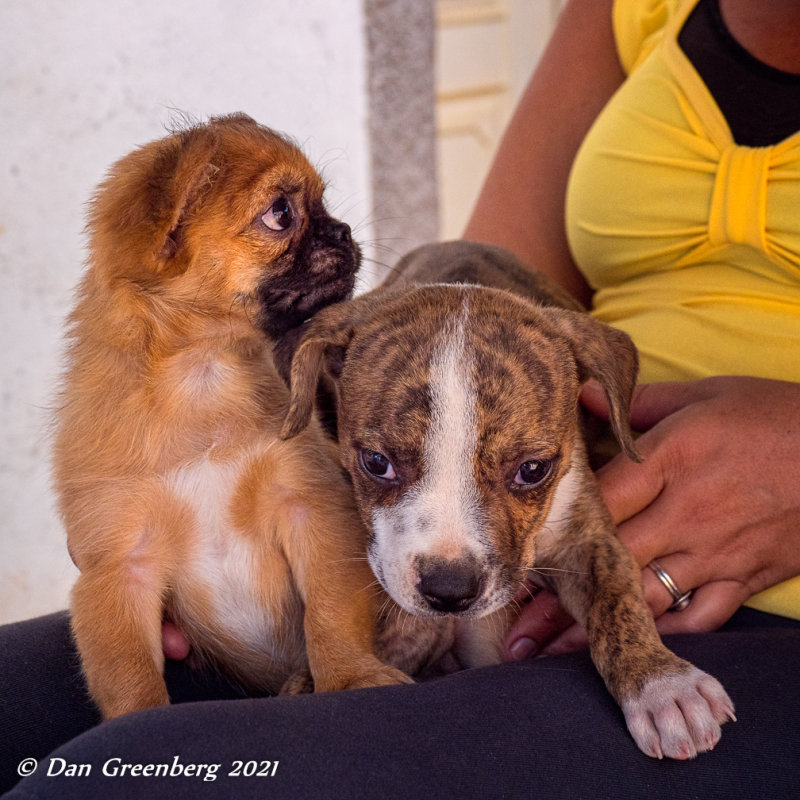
118, 599
117, 628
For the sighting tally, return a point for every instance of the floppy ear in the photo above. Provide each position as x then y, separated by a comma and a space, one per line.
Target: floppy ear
609, 356
321, 351
177, 184
138, 211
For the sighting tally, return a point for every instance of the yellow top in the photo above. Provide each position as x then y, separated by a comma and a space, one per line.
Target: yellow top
691, 241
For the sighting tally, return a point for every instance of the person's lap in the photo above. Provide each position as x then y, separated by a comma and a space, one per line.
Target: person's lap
517, 730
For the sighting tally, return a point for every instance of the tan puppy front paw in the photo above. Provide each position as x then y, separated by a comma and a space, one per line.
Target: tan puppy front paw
368, 673
382, 675
678, 715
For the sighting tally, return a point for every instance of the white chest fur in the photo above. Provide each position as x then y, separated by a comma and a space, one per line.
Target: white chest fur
221, 559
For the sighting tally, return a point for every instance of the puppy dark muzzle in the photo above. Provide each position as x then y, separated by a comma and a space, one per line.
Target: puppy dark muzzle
316, 272
340, 232
449, 587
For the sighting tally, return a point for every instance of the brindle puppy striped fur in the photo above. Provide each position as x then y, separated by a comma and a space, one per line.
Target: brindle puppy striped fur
456, 386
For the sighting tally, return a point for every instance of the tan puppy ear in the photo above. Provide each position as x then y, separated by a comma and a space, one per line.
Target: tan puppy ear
321, 350
139, 210
184, 174
609, 356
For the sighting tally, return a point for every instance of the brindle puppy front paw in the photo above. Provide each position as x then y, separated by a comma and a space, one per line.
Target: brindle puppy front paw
678, 715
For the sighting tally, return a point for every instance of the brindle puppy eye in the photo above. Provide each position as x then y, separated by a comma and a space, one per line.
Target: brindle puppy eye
532, 473
279, 216
377, 465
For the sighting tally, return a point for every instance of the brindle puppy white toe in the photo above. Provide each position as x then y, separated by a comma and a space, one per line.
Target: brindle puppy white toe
458, 421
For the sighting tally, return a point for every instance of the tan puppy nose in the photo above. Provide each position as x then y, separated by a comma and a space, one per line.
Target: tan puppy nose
340, 231
449, 586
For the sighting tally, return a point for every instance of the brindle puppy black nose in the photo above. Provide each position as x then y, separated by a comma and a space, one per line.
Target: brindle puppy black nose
449, 586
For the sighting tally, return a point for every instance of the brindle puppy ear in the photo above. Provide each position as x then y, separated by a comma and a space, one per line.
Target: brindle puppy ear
139, 211
609, 356
321, 352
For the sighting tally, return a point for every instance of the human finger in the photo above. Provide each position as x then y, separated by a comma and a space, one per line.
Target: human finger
540, 621
711, 606
679, 576
627, 487
650, 402
654, 402
572, 639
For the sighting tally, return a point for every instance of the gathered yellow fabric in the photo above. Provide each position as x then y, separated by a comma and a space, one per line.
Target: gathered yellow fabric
691, 241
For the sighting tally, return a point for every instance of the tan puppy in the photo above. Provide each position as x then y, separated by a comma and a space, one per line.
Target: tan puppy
458, 420
177, 496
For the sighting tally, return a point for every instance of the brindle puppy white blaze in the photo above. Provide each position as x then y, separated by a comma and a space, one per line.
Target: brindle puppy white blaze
458, 421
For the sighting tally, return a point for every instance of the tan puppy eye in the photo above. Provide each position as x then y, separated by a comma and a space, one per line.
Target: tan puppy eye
532, 473
377, 465
279, 215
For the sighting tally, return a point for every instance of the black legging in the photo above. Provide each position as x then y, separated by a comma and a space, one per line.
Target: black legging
544, 728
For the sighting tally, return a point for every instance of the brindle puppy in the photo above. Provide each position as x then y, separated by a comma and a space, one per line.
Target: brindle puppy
458, 421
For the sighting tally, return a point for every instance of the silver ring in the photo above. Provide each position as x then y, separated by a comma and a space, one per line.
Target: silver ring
680, 599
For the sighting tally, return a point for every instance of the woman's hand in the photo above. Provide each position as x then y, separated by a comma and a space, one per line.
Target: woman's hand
716, 502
